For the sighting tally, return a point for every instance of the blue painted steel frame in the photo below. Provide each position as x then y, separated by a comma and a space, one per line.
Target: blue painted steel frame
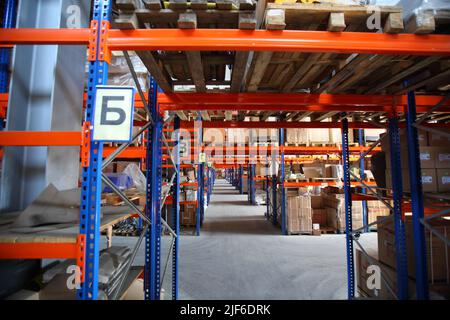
362, 175
9, 21
267, 197
152, 270
200, 184
176, 208
348, 211
241, 179
399, 226
252, 190
274, 199
283, 190
91, 183
420, 255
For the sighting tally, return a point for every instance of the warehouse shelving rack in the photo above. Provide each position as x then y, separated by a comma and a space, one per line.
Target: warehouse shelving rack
101, 40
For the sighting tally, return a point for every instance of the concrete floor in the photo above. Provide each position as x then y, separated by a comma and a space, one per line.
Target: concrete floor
240, 255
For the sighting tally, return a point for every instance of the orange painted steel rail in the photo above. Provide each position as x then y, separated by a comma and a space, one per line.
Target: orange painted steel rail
40, 138
238, 40
323, 183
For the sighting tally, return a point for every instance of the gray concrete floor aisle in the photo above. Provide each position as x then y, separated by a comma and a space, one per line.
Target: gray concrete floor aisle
240, 255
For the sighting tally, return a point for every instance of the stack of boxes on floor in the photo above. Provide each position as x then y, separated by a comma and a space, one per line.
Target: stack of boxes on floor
434, 161
438, 261
188, 211
298, 207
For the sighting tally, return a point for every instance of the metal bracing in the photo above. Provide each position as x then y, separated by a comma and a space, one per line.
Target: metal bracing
420, 256
399, 225
91, 183
200, 177
348, 211
362, 141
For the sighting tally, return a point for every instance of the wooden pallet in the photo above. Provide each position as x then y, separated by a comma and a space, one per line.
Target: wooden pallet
282, 71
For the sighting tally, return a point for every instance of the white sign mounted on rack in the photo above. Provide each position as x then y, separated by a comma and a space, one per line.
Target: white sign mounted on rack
113, 117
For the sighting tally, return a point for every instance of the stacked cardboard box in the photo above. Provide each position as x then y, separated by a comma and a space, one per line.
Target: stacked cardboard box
298, 211
376, 209
438, 254
188, 214
434, 161
319, 213
335, 208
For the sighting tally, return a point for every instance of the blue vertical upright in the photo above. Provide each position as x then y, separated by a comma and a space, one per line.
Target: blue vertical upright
152, 270
91, 183
348, 210
362, 141
176, 207
252, 184
274, 199
9, 20
399, 225
420, 255
283, 190
241, 179
200, 181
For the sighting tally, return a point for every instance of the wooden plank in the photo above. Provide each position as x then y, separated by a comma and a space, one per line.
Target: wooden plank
226, 4
155, 69
421, 23
247, 21
301, 72
275, 19
441, 77
405, 73
127, 5
126, 22
336, 22
262, 60
152, 4
199, 4
248, 5
187, 20
178, 4
394, 23
228, 115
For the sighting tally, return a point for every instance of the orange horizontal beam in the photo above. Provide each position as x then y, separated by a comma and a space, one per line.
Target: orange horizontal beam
39, 250
323, 183
295, 102
129, 153
27, 36
277, 40
239, 40
40, 138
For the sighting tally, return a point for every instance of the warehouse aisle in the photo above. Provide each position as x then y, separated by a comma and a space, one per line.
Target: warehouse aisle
240, 255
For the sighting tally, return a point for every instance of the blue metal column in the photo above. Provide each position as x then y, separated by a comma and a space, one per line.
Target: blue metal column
348, 211
283, 190
154, 183
241, 179
267, 197
176, 208
91, 183
274, 199
200, 182
399, 226
362, 142
420, 255
9, 20
252, 185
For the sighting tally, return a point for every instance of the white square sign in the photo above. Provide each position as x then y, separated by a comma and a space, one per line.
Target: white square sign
113, 117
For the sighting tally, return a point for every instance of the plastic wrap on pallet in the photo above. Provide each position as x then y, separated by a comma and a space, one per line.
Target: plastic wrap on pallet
121, 180
139, 180
417, 7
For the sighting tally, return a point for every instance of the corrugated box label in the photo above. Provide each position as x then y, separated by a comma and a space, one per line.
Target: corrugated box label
425, 156
444, 156
427, 179
445, 179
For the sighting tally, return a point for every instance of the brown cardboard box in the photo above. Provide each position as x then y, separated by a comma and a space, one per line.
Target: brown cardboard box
188, 215
305, 217
316, 202
442, 158
292, 208
437, 140
443, 180
427, 157
438, 254
429, 180
422, 137
319, 216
